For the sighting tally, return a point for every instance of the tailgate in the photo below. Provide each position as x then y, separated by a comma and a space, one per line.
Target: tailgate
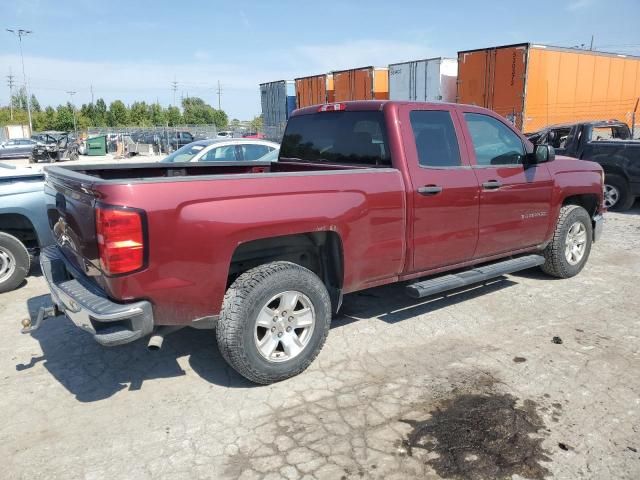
70, 209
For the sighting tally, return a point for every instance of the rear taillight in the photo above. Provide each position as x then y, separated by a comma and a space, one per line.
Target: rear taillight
120, 240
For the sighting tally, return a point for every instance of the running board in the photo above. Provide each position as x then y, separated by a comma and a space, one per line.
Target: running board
475, 275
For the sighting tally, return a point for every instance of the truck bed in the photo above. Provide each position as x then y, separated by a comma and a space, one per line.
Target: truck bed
145, 172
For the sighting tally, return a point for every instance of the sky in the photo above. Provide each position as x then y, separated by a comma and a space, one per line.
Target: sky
134, 50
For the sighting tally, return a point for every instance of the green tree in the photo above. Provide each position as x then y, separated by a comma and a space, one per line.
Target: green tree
64, 118
118, 115
35, 104
49, 119
139, 114
157, 115
256, 124
99, 118
174, 117
19, 99
220, 119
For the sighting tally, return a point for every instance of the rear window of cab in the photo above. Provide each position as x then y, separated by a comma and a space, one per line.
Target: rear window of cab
341, 137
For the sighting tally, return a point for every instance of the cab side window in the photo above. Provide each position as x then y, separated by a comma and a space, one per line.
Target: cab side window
494, 143
435, 138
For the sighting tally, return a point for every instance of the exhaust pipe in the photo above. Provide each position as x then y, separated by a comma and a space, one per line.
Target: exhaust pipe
157, 336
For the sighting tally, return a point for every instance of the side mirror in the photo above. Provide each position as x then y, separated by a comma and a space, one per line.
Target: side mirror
543, 154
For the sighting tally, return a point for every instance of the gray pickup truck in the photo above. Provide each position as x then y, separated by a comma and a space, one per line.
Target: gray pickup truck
24, 227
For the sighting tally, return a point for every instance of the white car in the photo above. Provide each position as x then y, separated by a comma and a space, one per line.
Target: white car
222, 150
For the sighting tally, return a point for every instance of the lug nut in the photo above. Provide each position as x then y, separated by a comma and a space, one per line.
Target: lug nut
273, 329
288, 329
280, 334
291, 319
284, 314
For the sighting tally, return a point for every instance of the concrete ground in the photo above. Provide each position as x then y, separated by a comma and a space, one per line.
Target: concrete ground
526, 377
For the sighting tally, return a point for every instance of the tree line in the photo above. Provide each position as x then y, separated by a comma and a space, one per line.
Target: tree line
195, 111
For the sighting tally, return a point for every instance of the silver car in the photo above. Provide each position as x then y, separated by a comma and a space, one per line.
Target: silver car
17, 148
222, 150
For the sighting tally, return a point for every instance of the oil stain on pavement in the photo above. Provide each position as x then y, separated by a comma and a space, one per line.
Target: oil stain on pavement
479, 436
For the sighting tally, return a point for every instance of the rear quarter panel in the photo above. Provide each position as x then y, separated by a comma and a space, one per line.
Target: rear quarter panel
195, 226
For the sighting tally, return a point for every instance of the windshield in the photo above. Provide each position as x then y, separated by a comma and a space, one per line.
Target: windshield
184, 154
354, 138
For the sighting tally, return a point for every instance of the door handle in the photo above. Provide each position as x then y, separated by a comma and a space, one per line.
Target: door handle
492, 185
430, 190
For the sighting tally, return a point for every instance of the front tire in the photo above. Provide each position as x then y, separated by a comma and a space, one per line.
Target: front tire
275, 319
14, 262
569, 249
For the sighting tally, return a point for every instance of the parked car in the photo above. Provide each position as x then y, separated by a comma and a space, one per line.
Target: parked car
222, 150
253, 135
607, 142
175, 140
54, 147
225, 134
364, 194
17, 148
24, 227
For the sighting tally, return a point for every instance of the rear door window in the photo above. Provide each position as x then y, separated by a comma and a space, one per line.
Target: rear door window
435, 138
252, 151
353, 138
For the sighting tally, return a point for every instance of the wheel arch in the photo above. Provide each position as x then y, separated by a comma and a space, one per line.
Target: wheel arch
321, 252
21, 227
588, 201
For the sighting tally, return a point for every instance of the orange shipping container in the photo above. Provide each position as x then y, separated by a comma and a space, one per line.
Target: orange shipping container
314, 90
367, 83
538, 85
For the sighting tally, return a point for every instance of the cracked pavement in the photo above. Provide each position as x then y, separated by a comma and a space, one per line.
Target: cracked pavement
72, 409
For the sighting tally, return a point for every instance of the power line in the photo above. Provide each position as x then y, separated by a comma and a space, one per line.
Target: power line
23, 33
11, 83
174, 87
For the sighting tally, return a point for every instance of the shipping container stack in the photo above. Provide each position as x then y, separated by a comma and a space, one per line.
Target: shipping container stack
538, 85
278, 100
314, 90
367, 83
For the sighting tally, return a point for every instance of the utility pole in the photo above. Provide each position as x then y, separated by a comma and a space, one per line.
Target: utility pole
91, 88
174, 87
73, 109
219, 93
10, 82
22, 33
591, 45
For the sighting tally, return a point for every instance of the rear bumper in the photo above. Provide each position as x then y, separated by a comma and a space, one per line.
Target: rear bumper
88, 307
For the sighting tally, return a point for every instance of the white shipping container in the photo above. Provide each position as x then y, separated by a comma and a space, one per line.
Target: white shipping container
430, 80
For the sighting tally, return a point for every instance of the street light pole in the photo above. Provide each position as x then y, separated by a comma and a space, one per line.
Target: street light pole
21, 33
73, 109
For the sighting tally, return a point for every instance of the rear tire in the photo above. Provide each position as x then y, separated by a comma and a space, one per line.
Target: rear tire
569, 249
15, 262
618, 196
256, 334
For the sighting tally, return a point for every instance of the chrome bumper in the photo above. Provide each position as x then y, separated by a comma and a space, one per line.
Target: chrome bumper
88, 307
598, 225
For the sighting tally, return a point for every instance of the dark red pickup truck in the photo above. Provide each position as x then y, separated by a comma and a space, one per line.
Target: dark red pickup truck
363, 194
